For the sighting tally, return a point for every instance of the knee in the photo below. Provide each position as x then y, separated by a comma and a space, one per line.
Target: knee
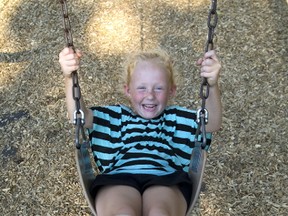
122, 211
123, 214
158, 211
118, 201
126, 211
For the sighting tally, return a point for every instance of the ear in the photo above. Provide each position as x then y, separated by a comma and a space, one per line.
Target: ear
173, 91
126, 90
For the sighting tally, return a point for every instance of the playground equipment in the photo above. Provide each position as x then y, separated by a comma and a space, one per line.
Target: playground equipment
82, 152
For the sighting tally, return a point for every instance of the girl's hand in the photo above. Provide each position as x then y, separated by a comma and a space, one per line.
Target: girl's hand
69, 61
210, 67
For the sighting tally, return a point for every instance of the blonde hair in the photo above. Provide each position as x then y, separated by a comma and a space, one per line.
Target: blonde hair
158, 56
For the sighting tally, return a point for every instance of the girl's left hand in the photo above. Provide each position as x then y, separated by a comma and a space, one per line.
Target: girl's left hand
210, 67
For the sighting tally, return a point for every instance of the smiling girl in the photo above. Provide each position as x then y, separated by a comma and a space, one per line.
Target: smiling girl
143, 151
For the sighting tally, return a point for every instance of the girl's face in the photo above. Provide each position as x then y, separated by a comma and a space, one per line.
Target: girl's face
149, 89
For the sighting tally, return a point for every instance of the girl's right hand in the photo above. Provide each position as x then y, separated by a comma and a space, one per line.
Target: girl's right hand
69, 61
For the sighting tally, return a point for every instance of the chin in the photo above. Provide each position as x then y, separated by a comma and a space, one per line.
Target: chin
150, 116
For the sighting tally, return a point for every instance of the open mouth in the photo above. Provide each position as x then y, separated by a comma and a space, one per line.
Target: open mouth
149, 107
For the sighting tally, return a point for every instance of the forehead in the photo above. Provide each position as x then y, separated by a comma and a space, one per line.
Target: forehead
149, 63
149, 69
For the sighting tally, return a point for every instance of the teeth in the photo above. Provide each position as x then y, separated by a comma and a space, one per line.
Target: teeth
149, 106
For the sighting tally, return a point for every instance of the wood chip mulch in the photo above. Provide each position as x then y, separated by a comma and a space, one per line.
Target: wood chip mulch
247, 170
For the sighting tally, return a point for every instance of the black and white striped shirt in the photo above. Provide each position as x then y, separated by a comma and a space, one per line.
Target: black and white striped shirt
123, 142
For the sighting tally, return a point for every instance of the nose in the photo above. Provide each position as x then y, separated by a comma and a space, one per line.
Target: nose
150, 94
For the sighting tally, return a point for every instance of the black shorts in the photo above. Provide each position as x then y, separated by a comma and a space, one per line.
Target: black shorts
142, 181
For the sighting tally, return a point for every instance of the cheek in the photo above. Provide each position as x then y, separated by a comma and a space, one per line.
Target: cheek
136, 98
163, 98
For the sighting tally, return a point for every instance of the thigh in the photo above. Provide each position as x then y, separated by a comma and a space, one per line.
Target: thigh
117, 200
163, 200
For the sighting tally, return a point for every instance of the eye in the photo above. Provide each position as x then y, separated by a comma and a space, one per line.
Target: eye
159, 88
141, 88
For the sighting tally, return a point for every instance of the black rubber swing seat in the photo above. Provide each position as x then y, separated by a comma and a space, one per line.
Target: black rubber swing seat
87, 173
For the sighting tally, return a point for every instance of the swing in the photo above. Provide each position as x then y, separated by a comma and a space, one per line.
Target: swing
82, 152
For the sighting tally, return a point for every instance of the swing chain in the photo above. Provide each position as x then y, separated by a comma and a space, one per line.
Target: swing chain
79, 119
202, 113
67, 25
211, 23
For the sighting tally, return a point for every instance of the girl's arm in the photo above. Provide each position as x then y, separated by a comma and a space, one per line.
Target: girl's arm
210, 69
69, 62
214, 107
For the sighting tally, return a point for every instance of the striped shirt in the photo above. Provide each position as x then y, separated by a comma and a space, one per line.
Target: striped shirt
123, 142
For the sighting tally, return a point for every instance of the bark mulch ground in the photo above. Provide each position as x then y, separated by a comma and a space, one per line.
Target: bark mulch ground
247, 167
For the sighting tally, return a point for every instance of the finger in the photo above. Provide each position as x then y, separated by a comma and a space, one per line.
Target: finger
211, 54
208, 62
68, 50
205, 69
72, 62
72, 68
79, 53
65, 52
205, 75
70, 57
199, 61
73, 56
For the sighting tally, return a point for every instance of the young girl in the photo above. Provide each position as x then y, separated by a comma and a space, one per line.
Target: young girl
143, 152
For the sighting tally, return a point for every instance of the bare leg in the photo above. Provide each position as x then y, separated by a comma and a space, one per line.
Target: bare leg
162, 200
118, 200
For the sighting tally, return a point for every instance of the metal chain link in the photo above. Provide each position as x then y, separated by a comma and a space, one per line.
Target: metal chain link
67, 25
79, 119
211, 23
202, 113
